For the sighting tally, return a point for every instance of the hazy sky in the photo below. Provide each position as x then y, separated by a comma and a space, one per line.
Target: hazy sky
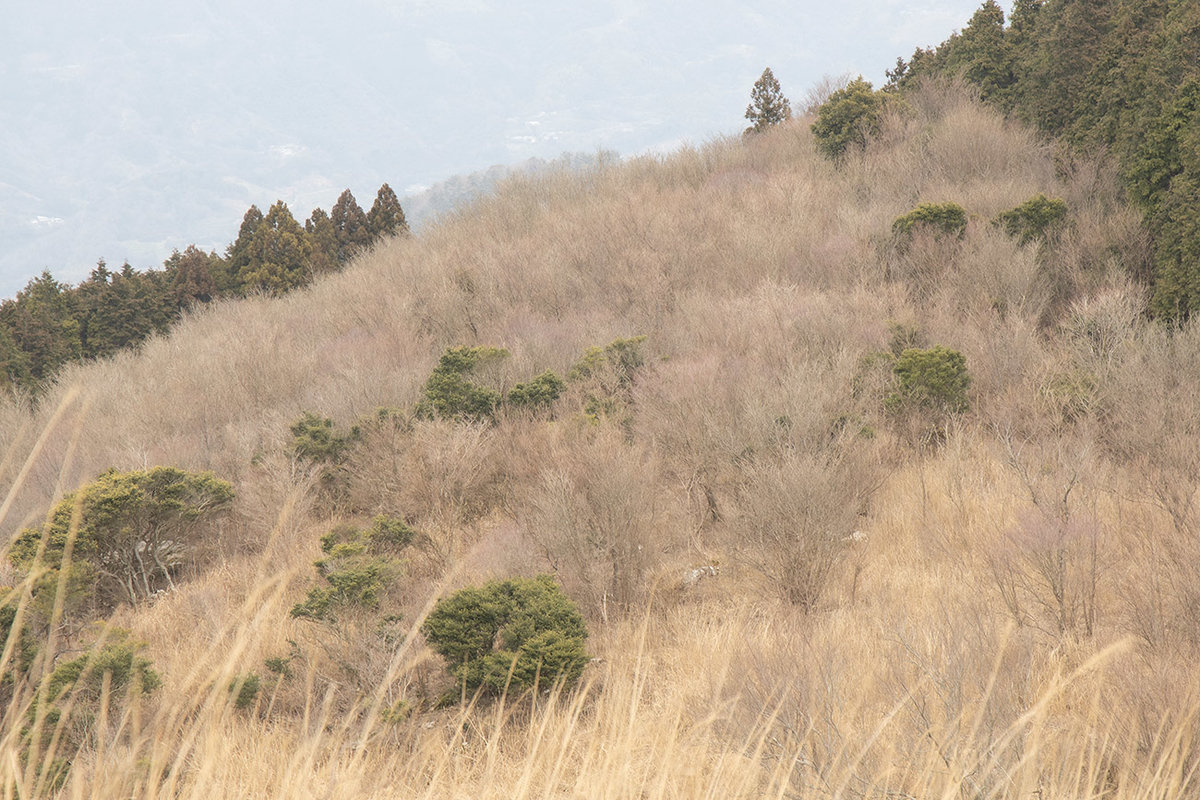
130, 127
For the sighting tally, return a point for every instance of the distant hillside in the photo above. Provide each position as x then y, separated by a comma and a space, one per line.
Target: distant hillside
456, 192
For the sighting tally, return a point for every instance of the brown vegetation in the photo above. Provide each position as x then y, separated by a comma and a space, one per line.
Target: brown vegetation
1009, 609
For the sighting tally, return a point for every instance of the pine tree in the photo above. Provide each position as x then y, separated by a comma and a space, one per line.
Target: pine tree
386, 217
767, 106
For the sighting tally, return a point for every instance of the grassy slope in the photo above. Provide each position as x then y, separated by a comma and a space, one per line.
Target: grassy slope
760, 275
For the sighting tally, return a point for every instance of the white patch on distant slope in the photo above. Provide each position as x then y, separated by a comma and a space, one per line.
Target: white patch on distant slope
442, 52
287, 150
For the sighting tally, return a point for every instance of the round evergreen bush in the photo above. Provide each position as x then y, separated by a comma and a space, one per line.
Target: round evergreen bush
524, 626
1033, 219
943, 219
848, 118
934, 380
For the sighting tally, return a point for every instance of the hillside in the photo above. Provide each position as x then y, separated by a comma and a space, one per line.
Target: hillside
1121, 76
989, 596
132, 131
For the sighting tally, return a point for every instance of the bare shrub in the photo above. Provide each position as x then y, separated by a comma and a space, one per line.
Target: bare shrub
1152, 415
994, 274
797, 517
441, 476
1047, 566
924, 262
820, 91
597, 516
1047, 571
1099, 327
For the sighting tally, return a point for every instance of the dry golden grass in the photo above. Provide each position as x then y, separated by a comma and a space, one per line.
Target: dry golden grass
1020, 618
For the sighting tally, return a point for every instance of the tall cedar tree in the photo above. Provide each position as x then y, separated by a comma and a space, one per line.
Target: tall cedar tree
279, 254
117, 310
350, 224
767, 106
193, 275
324, 241
42, 324
237, 257
386, 217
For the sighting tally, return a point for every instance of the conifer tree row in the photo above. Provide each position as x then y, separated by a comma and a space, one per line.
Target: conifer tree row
49, 323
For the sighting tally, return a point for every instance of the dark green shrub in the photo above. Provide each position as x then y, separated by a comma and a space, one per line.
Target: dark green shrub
120, 656
848, 118
74, 689
942, 219
526, 626
245, 689
930, 380
26, 646
315, 439
617, 361
1033, 219
538, 393
280, 665
609, 373
388, 535
134, 530
450, 394
359, 566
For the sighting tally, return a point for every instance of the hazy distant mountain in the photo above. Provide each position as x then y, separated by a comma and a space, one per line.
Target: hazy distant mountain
459, 190
129, 128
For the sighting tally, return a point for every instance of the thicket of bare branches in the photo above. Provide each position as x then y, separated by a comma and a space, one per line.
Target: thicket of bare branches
946, 608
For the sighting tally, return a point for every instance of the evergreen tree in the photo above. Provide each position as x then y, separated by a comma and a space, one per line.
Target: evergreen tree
1165, 179
192, 275
120, 310
279, 253
237, 257
1074, 33
125, 533
14, 363
768, 106
350, 224
42, 324
323, 235
984, 55
847, 118
386, 217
